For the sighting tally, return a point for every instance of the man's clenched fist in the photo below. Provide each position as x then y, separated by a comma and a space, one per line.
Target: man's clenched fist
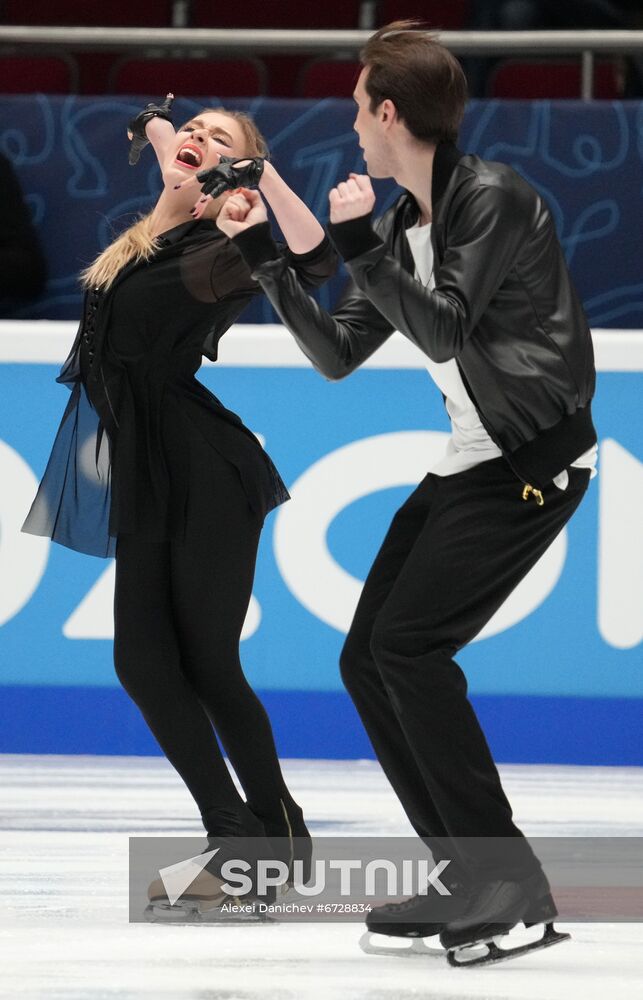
351, 198
240, 211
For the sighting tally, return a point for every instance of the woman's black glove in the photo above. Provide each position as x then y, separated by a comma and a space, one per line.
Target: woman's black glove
230, 173
136, 127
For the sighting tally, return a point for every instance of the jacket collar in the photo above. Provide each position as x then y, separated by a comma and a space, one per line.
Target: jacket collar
447, 156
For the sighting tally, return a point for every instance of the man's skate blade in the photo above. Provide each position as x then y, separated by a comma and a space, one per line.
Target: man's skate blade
408, 947
493, 954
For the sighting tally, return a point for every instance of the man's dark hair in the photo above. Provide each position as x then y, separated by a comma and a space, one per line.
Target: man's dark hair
425, 82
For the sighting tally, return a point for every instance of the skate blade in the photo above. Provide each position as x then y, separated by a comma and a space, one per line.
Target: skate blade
193, 911
470, 956
409, 947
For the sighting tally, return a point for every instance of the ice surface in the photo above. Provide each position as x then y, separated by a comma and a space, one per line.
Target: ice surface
64, 934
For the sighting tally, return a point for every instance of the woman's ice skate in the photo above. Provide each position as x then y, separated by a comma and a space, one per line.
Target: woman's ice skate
204, 901
291, 842
193, 891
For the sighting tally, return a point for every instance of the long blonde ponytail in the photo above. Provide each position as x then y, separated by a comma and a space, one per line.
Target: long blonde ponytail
136, 243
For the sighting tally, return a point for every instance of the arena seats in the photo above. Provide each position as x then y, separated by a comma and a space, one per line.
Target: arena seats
123, 13
83, 72
250, 74
328, 78
325, 77
549, 78
26, 74
450, 15
194, 77
276, 14
286, 73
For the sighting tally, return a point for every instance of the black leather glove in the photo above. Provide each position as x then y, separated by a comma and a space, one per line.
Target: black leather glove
230, 173
136, 127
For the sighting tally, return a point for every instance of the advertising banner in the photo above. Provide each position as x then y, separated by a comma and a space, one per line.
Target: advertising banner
556, 675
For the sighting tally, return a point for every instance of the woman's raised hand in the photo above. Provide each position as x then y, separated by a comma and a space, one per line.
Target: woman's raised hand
240, 211
136, 130
200, 206
231, 173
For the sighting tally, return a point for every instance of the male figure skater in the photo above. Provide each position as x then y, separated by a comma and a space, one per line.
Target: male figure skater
467, 265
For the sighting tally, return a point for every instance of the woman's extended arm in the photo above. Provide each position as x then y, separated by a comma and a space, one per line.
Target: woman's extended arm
336, 343
162, 138
301, 229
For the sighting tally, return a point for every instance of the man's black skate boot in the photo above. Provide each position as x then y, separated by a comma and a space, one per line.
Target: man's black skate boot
422, 916
494, 908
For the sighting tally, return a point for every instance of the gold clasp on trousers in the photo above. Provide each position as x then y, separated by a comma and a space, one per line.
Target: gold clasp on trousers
540, 500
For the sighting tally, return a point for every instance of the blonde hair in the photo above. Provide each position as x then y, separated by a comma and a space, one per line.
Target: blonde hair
137, 242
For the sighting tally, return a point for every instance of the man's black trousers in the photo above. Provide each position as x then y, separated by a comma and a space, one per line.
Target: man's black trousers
453, 553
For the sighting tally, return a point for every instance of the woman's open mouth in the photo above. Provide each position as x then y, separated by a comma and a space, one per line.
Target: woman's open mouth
189, 156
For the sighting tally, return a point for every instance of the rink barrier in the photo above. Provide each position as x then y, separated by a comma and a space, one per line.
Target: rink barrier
557, 681
323, 725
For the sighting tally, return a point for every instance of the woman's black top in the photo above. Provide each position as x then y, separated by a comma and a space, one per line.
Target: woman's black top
131, 369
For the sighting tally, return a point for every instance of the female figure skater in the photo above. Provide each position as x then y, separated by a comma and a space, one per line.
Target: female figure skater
177, 487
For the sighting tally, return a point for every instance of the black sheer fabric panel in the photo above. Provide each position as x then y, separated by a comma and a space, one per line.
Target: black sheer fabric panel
72, 505
114, 468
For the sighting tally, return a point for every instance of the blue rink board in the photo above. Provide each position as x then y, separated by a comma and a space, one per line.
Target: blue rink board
550, 688
324, 724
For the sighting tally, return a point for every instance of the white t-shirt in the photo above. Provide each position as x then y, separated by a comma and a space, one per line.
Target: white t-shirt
469, 443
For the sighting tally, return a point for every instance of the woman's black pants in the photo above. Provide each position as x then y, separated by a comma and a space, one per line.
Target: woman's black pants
179, 609
454, 552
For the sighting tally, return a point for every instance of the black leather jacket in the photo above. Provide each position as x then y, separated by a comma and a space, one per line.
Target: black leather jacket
504, 307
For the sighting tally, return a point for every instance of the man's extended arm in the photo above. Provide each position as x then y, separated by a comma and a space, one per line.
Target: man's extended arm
335, 344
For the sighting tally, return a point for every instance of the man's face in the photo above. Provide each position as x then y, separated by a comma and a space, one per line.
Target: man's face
370, 130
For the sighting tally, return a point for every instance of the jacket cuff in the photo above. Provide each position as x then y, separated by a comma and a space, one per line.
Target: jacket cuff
355, 236
311, 255
256, 245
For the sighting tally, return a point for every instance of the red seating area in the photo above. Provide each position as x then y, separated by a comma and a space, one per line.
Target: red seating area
551, 78
446, 14
276, 14
113, 14
247, 76
54, 74
328, 78
449, 16
321, 77
197, 77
